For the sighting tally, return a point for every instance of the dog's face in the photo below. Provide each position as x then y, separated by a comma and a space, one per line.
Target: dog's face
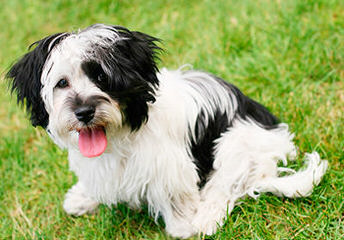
81, 86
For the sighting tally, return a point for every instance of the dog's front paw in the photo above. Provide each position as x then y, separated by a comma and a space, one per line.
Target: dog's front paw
181, 230
78, 203
206, 226
210, 216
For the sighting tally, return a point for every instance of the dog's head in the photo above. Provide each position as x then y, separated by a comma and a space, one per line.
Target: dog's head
82, 84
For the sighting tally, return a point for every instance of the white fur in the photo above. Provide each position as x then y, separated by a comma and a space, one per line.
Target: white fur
153, 164
78, 201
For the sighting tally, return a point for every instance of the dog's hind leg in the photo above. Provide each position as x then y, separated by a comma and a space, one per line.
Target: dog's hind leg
246, 158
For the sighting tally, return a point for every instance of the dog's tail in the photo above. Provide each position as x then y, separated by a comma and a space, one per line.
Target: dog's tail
298, 184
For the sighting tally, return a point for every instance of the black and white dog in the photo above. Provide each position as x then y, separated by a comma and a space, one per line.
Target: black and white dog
185, 142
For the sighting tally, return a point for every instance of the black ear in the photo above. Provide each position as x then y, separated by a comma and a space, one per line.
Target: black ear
143, 53
130, 64
26, 78
138, 63
130, 60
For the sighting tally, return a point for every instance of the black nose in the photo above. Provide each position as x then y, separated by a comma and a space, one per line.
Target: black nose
85, 113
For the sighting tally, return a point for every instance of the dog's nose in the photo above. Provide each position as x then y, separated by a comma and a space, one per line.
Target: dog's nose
85, 113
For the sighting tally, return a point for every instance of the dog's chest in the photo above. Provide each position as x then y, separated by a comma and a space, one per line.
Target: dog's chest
113, 177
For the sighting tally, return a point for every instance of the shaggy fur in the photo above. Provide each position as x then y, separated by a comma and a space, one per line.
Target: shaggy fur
184, 142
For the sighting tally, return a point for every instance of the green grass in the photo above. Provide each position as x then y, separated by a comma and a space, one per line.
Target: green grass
287, 54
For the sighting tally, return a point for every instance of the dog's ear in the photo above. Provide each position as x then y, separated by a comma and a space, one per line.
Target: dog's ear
134, 55
25, 78
143, 53
136, 60
130, 63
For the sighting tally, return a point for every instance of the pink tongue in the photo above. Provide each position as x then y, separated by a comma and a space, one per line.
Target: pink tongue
92, 142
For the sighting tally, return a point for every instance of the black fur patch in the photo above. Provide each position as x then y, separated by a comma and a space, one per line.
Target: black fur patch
248, 108
206, 133
202, 149
126, 70
26, 78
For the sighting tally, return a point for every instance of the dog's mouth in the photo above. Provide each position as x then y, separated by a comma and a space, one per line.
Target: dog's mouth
92, 141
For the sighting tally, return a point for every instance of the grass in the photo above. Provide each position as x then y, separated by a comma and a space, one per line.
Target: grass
289, 55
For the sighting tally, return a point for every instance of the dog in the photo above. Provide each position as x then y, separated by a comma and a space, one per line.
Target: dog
184, 142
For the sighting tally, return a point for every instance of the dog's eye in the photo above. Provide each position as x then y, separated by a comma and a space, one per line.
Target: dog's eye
101, 77
63, 83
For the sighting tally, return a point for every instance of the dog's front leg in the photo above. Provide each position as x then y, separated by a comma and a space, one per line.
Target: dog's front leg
77, 202
172, 191
178, 214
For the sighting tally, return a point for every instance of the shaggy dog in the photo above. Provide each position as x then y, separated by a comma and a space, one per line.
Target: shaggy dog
184, 142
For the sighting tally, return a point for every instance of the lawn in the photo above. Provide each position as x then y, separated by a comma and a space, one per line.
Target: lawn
288, 55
